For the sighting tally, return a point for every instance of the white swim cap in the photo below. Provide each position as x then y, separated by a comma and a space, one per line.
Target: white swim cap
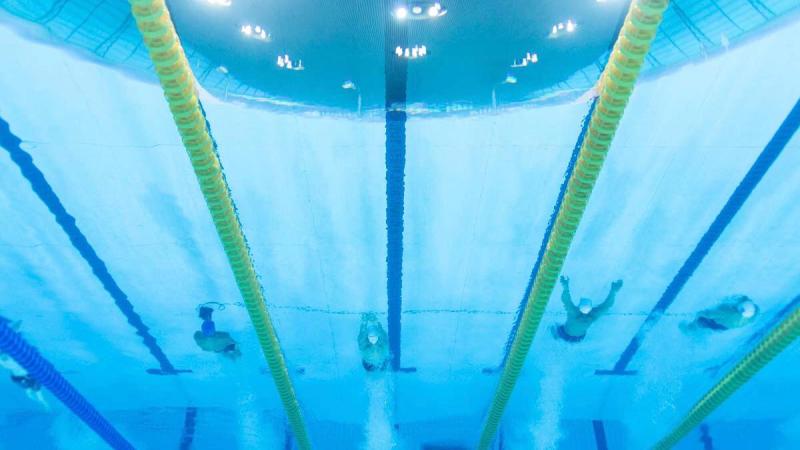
585, 306
372, 338
747, 308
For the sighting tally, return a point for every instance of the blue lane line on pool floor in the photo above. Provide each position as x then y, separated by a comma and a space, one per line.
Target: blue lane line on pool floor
705, 437
757, 171
24, 161
189, 425
600, 435
396, 77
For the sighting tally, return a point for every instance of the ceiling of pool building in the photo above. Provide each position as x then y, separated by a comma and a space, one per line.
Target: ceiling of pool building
334, 57
399, 224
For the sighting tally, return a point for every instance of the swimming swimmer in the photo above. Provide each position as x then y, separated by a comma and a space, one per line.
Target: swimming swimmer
735, 311
21, 377
581, 317
372, 342
211, 340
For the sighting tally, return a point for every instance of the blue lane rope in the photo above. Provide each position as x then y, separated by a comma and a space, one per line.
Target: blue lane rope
24, 161
396, 84
746, 187
12, 344
395, 194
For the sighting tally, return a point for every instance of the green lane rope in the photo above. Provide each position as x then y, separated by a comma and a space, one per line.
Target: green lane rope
615, 88
177, 81
769, 347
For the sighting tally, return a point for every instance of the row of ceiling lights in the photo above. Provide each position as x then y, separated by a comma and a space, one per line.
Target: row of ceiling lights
415, 11
419, 11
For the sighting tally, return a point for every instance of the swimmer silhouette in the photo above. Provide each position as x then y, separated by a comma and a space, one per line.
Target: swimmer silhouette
211, 340
735, 311
581, 317
372, 342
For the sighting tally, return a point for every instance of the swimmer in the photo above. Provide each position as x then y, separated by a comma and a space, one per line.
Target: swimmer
581, 317
21, 377
372, 342
735, 311
211, 340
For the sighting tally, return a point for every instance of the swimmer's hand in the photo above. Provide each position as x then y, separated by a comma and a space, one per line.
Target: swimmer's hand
564, 280
617, 285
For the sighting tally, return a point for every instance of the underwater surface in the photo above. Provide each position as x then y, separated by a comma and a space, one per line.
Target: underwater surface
560, 225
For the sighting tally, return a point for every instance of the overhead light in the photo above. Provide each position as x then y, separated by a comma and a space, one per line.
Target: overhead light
285, 62
222, 69
219, 2
420, 10
256, 32
561, 27
400, 12
349, 85
417, 51
510, 79
530, 58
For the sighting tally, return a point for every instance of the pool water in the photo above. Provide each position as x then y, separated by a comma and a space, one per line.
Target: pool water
421, 191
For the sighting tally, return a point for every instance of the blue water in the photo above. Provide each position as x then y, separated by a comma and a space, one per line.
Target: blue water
431, 215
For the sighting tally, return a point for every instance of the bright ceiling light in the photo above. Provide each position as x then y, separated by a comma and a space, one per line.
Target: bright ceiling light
285, 62
510, 79
419, 10
417, 51
256, 32
570, 26
219, 2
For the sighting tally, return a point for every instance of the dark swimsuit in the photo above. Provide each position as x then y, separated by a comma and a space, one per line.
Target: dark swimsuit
26, 382
711, 324
562, 333
372, 367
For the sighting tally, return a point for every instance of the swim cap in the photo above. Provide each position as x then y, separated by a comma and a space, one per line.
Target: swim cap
585, 306
747, 308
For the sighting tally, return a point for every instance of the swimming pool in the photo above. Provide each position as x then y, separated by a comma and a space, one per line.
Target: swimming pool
444, 191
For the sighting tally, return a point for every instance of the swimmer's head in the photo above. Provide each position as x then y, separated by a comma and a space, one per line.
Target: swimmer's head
373, 334
372, 338
747, 308
585, 306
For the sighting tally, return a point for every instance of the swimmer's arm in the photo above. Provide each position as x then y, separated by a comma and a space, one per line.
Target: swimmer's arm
566, 298
363, 340
609, 302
